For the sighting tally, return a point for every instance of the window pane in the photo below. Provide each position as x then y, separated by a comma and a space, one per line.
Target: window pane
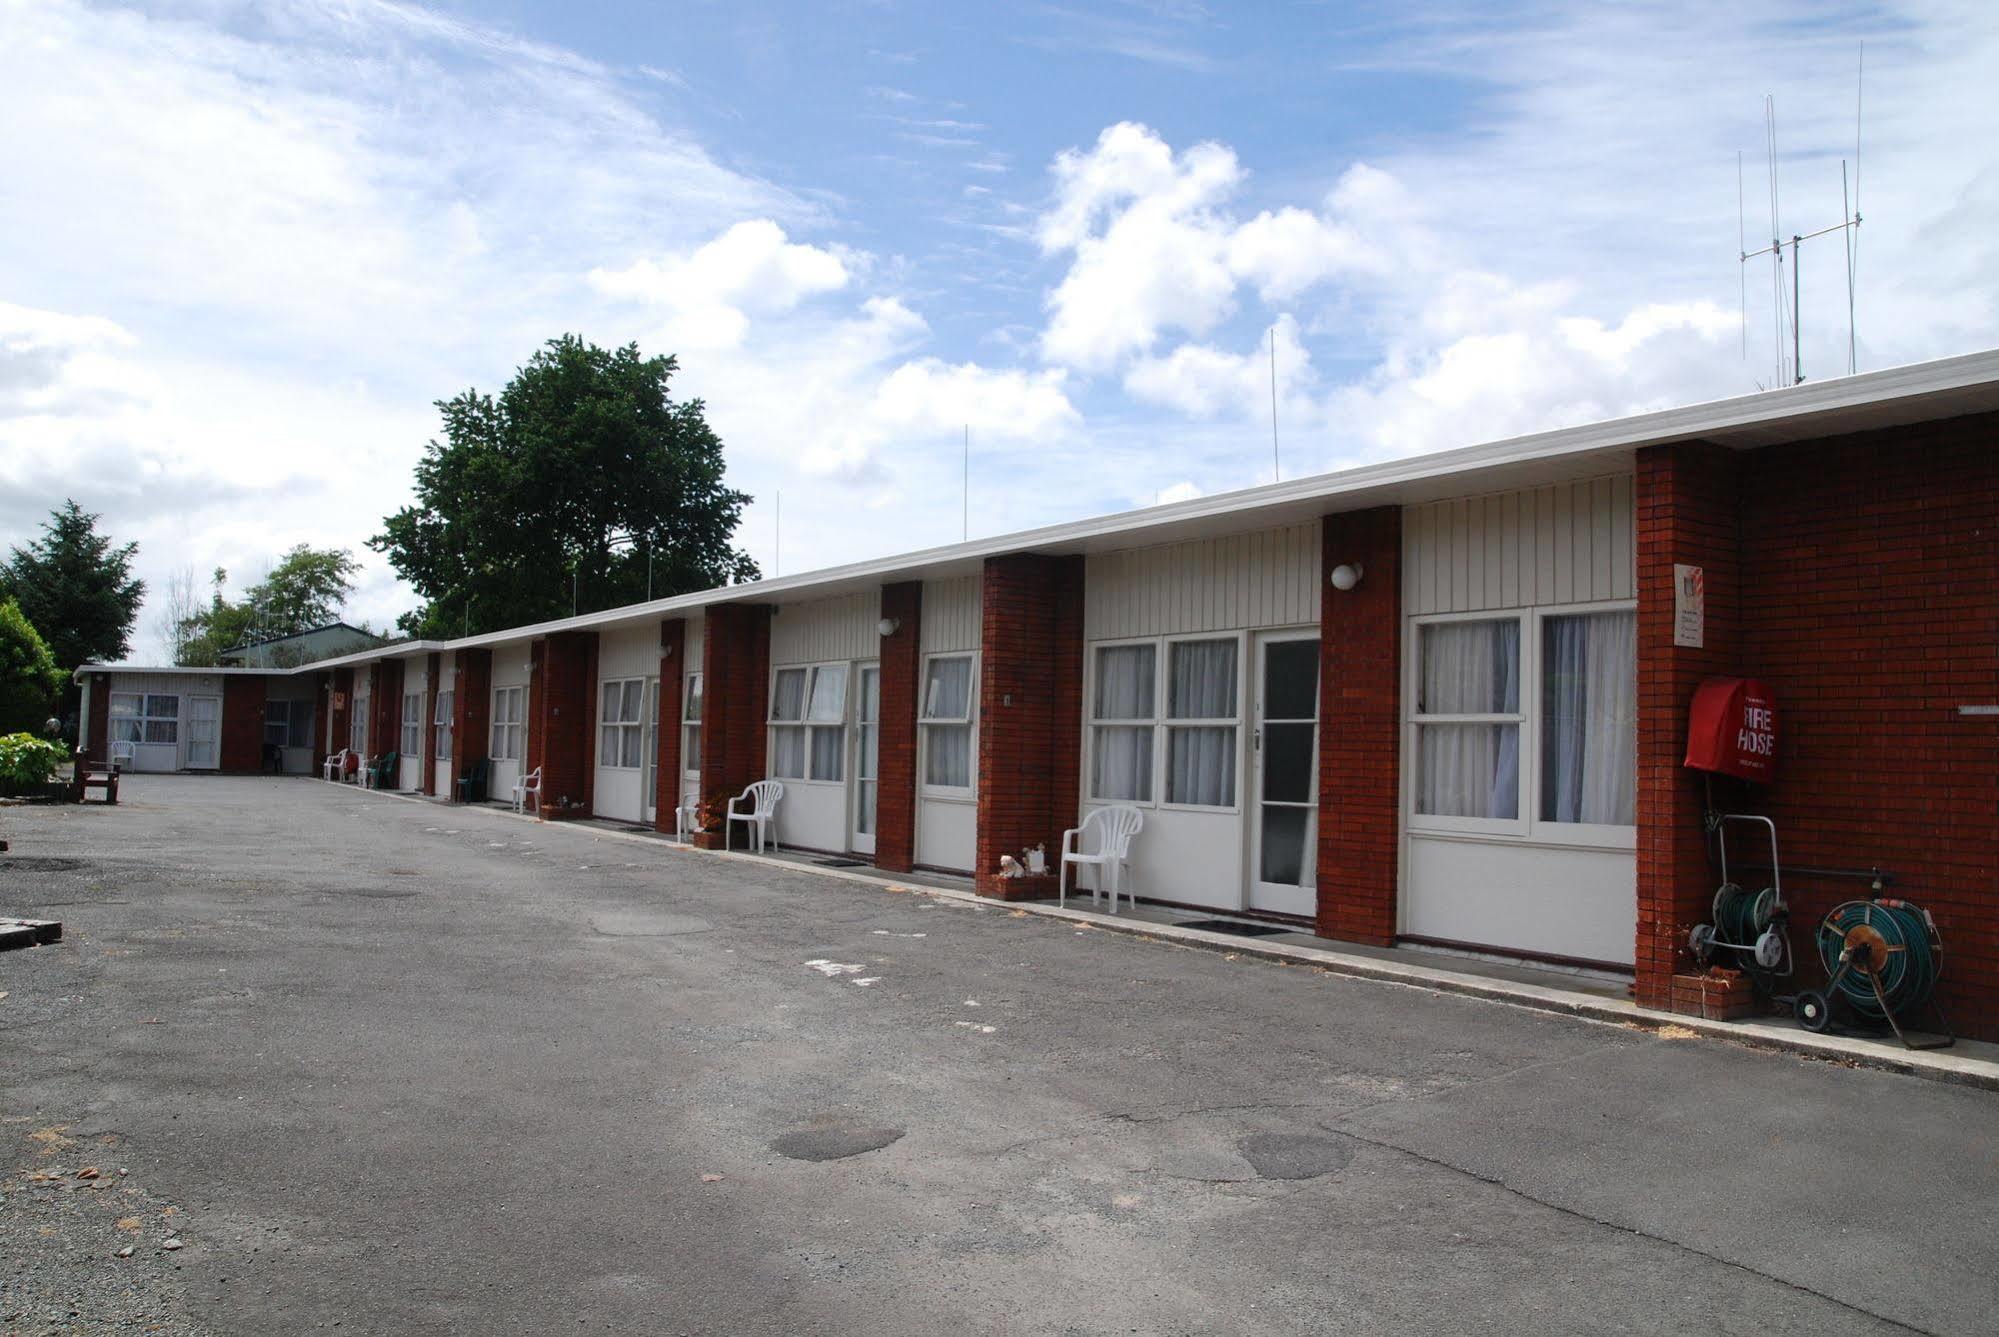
162, 731
167, 707
634, 697
828, 752
1287, 763
787, 753
124, 705
690, 749
1470, 668
276, 735
947, 755
1124, 682
1589, 718
1281, 852
947, 690
607, 745
1468, 770
829, 694
1121, 763
694, 698
634, 747
301, 723
787, 700
1201, 680
1200, 766
126, 731
867, 759
1291, 680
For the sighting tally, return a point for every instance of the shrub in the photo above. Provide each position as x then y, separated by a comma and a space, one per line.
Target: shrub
29, 678
27, 763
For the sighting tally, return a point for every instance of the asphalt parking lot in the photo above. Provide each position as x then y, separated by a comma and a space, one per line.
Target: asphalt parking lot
393, 1067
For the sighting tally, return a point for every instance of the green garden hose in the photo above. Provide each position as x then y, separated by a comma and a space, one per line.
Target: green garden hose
1905, 960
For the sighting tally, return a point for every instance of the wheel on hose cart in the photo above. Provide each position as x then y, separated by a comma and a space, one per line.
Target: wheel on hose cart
1814, 1013
1701, 941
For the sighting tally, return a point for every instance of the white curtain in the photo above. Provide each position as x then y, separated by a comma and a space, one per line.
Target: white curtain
829, 746
787, 753
1202, 680
1589, 729
829, 694
788, 695
947, 755
947, 690
1200, 766
1121, 757
1469, 769
1201, 685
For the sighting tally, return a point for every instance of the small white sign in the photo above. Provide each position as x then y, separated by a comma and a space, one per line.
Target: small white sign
1689, 606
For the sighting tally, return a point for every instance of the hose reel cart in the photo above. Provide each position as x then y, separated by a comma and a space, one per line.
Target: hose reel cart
1751, 927
1882, 958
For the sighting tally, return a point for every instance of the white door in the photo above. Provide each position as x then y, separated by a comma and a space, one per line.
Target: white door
1284, 815
652, 750
867, 756
204, 733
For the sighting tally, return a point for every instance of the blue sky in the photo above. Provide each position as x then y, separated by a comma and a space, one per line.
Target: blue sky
244, 246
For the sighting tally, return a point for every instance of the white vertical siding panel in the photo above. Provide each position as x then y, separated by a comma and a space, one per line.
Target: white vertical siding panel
693, 648
1264, 579
826, 629
951, 611
1568, 543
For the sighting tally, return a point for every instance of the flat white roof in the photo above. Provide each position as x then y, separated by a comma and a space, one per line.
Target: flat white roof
1923, 392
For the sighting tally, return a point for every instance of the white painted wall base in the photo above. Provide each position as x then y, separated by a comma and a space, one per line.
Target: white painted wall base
1581, 903
947, 833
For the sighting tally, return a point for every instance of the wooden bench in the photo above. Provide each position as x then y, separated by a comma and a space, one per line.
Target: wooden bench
96, 775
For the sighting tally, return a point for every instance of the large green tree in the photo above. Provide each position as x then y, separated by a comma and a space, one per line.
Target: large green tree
76, 588
29, 678
306, 589
583, 472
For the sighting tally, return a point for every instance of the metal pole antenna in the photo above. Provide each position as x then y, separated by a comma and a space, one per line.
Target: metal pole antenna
1797, 362
1276, 468
777, 538
966, 531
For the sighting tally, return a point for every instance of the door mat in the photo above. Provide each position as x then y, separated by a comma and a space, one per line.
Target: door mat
842, 863
1235, 926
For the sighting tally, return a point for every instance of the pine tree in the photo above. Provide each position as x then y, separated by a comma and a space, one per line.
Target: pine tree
77, 589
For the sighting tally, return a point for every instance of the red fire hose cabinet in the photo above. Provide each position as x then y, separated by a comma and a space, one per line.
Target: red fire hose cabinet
1732, 729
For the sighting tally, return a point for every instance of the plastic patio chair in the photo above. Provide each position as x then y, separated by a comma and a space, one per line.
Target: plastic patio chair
763, 798
526, 788
1114, 827
334, 768
471, 786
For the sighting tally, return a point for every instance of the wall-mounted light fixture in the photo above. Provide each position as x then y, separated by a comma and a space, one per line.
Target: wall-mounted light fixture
665, 650
889, 626
1347, 575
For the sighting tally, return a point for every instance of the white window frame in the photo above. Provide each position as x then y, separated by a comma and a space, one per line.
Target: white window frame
410, 743
440, 728
1160, 723
357, 724
145, 713
611, 690
810, 727
969, 721
508, 737
690, 723
1529, 828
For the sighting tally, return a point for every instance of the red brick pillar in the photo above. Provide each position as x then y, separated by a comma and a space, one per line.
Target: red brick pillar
562, 725
322, 701
901, 691
471, 699
1360, 726
98, 746
430, 674
242, 730
1687, 503
672, 653
340, 709
385, 708
1030, 715
735, 679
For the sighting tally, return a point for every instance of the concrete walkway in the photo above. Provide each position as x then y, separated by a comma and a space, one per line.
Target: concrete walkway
413, 1069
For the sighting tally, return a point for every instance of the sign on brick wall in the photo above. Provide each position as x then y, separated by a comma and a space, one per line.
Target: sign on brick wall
1689, 606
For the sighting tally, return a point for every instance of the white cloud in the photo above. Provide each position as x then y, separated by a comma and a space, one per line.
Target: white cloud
1206, 382
712, 290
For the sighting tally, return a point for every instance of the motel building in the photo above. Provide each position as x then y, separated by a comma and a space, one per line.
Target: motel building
1441, 701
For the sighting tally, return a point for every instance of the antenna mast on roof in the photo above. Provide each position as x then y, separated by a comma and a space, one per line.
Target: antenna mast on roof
1276, 469
967, 533
1789, 360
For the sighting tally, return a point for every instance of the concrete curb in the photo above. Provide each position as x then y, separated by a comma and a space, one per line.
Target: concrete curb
1938, 1066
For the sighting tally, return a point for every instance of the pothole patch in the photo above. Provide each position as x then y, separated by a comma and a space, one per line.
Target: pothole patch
833, 1141
1294, 1155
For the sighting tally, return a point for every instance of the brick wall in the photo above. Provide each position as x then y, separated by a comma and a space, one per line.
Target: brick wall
385, 707
1030, 714
901, 687
672, 668
1870, 604
562, 730
1686, 497
735, 668
242, 728
471, 706
343, 713
1360, 732
430, 723
98, 746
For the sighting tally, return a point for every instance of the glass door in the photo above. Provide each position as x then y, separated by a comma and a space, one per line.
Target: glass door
651, 806
867, 756
204, 718
1284, 818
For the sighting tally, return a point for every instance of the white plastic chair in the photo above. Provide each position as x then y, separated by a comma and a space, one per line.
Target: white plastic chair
121, 755
528, 787
763, 797
366, 775
1114, 826
335, 768
684, 816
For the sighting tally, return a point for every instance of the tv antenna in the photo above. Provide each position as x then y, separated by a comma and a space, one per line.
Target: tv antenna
1786, 306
